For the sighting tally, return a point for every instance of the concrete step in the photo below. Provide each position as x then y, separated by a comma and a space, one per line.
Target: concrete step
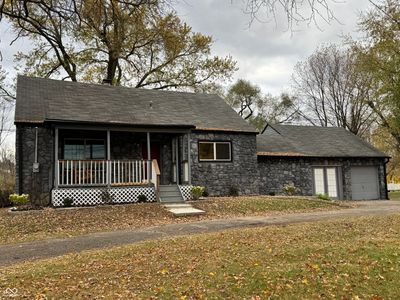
170, 193
183, 210
175, 200
169, 188
177, 205
171, 200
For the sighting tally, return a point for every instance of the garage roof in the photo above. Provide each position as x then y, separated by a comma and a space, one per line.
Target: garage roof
313, 141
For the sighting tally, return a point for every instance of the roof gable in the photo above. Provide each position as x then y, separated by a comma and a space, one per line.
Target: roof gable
44, 100
313, 141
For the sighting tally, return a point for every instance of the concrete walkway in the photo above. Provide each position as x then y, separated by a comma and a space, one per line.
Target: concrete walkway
10, 254
183, 209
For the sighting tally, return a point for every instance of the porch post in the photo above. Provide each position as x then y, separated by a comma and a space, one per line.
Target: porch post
177, 159
188, 159
148, 157
56, 173
108, 159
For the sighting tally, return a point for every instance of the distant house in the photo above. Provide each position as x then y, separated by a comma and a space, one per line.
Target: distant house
98, 143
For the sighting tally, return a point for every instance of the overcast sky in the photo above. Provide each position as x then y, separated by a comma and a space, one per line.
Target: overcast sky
266, 52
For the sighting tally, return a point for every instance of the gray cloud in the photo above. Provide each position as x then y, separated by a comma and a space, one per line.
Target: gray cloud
266, 52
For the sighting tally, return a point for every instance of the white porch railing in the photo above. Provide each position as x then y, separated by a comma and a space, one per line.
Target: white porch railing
104, 172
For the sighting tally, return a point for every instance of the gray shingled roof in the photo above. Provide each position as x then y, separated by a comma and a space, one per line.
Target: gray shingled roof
45, 100
313, 141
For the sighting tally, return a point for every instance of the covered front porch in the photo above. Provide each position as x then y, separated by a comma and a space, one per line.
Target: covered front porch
94, 164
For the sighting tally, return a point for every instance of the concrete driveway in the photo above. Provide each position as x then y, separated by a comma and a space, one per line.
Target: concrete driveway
10, 254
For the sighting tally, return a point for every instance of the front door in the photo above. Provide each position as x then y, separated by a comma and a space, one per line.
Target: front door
154, 151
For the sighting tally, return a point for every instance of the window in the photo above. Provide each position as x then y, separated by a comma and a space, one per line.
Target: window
84, 149
325, 181
319, 181
215, 151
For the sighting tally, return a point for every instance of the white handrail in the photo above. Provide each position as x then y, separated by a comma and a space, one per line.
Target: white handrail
103, 172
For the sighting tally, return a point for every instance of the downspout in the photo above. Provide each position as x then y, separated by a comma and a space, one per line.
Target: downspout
35, 167
189, 159
20, 161
36, 145
387, 159
148, 159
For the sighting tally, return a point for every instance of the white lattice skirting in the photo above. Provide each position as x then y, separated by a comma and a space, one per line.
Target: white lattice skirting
95, 196
186, 191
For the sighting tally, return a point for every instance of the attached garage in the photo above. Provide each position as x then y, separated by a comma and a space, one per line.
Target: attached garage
320, 160
364, 183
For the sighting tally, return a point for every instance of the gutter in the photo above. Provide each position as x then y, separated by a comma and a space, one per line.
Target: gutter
123, 124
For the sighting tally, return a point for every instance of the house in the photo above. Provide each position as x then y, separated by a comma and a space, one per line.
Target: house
320, 160
90, 142
95, 143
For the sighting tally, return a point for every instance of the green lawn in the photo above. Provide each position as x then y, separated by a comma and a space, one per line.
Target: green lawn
345, 259
394, 195
36, 225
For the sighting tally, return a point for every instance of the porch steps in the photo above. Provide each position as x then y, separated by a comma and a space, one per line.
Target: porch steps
170, 194
183, 210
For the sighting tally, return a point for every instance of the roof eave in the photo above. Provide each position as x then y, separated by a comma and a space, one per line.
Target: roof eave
226, 130
289, 154
28, 122
119, 124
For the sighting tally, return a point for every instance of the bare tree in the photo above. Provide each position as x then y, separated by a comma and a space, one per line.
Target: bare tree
331, 92
275, 110
243, 96
6, 103
296, 12
7, 175
258, 108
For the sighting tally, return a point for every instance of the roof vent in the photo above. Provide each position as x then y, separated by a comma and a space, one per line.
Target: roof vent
151, 105
107, 81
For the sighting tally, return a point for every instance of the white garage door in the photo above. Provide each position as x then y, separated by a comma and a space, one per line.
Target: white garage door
364, 183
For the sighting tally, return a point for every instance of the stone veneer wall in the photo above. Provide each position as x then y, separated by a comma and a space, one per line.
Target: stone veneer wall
276, 172
166, 161
37, 185
218, 177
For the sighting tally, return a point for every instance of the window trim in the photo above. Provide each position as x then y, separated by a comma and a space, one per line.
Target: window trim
339, 186
214, 142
